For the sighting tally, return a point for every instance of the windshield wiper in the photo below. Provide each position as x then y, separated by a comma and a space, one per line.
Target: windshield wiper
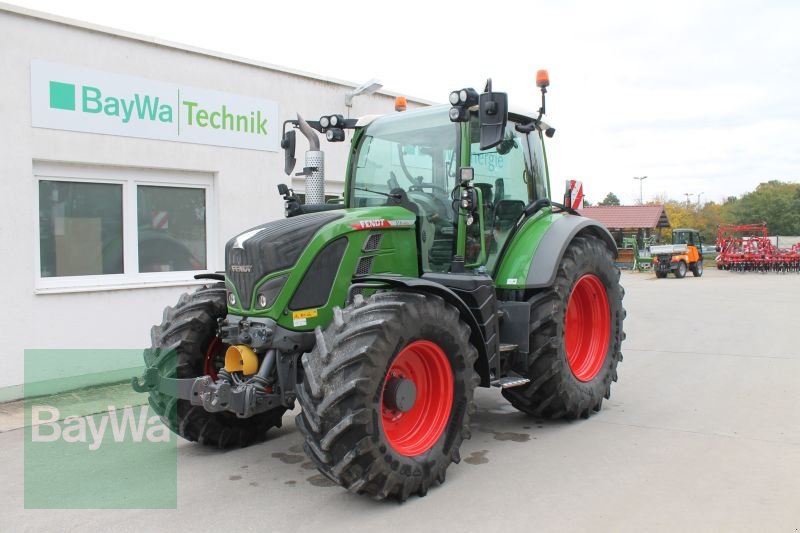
396, 196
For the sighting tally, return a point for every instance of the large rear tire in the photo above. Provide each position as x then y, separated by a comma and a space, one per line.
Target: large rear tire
185, 345
575, 336
387, 393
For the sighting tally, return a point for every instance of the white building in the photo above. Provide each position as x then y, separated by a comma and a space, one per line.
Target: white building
127, 163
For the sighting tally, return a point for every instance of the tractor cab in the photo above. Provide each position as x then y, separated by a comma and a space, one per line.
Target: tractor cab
412, 160
690, 237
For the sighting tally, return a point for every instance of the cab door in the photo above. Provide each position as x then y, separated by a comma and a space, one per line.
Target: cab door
509, 177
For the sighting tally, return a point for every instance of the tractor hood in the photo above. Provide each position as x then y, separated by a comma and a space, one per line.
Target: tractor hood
268, 248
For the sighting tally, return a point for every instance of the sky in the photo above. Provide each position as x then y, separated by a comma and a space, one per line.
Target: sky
699, 96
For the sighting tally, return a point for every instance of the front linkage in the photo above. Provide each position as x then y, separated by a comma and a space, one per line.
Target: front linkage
273, 385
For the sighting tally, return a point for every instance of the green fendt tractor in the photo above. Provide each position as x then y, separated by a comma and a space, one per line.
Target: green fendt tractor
447, 267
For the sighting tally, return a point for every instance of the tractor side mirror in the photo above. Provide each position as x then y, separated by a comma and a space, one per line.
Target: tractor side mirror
288, 145
493, 115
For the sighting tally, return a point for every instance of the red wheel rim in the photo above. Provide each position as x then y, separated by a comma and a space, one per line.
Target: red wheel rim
587, 328
213, 358
417, 430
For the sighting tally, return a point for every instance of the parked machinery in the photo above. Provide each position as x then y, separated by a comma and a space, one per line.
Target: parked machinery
683, 255
748, 248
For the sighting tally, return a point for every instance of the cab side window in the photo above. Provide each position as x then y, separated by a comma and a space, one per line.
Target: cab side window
503, 174
538, 165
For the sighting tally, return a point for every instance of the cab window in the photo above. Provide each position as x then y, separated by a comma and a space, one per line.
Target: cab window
411, 161
538, 165
503, 175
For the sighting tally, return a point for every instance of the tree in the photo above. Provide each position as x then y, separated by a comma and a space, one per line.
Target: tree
705, 219
775, 202
610, 199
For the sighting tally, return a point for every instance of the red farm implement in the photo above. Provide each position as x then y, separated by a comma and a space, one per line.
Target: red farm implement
747, 248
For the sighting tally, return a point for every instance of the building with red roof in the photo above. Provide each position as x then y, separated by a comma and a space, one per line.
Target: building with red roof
640, 220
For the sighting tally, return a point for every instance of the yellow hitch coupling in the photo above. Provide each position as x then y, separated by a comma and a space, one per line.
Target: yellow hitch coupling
240, 358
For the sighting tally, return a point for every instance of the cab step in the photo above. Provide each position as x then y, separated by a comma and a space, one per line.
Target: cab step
505, 347
510, 381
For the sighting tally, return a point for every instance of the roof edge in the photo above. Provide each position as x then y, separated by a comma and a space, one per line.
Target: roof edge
97, 28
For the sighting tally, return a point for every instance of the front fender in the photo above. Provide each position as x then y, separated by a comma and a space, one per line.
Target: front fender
428, 286
531, 260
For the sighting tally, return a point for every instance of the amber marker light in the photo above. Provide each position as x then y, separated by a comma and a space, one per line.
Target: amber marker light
400, 103
542, 78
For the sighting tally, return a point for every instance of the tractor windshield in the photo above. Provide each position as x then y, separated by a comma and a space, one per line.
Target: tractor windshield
415, 152
414, 158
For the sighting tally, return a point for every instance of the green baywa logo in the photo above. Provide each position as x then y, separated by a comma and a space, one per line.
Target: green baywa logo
153, 108
143, 107
62, 96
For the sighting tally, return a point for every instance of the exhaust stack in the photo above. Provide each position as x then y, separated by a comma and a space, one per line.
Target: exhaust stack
314, 169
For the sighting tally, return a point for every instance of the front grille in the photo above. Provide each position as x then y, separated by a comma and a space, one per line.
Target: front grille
365, 265
316, 286
269, 248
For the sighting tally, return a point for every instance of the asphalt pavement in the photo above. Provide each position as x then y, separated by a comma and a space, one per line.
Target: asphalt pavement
702, 433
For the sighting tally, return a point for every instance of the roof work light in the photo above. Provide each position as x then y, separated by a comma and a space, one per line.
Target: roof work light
461, 101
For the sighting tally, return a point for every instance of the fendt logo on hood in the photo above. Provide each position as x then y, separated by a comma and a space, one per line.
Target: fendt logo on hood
244, 269
380, 223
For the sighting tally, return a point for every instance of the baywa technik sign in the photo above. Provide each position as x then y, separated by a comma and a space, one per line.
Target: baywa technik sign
76, 99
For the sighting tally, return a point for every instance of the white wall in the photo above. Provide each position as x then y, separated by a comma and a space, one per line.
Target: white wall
245, 180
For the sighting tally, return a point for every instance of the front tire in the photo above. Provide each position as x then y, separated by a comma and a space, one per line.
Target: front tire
576, 336
697, 269
359, 429
680, 270
190, 328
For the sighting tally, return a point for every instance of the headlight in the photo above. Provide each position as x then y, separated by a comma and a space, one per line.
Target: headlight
334, 135
459, 114
268, 292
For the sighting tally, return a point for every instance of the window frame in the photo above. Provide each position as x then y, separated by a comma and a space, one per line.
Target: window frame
129, 178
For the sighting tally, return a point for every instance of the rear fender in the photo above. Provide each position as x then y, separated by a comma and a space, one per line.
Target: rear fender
531, 261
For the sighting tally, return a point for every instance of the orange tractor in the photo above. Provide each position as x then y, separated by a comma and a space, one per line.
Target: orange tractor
684, 254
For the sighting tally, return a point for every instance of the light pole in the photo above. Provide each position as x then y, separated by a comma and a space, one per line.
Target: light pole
641, 198
698, 198
687, 195
367, 87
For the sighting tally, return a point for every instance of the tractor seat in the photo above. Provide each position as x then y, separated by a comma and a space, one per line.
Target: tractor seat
507, 212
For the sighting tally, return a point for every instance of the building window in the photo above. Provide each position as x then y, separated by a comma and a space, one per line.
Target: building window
109, 227
172, 228
80, 228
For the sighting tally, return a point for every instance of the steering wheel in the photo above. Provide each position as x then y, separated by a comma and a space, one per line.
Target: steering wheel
420, 185
415, 186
